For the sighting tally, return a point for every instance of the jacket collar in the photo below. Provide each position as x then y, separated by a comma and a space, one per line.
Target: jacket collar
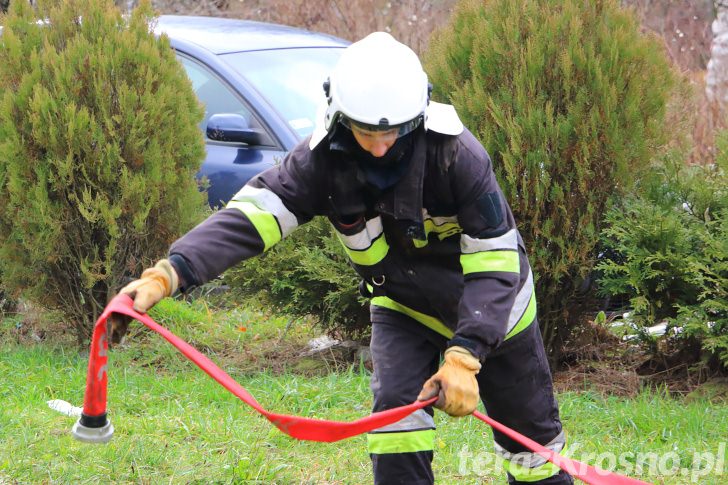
404, 200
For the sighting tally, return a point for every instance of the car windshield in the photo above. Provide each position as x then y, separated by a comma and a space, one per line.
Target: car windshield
290, 79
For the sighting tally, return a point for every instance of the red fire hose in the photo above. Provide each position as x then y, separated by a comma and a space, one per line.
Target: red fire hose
93, 426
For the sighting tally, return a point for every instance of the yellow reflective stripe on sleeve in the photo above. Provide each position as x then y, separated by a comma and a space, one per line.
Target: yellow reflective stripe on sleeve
369, 256
506, 261
443, 227
263, 221
420, 243
527, 319
401, 442
266, 200
428, 321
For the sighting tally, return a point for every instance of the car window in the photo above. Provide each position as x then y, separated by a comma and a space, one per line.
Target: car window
214, 94
290, 79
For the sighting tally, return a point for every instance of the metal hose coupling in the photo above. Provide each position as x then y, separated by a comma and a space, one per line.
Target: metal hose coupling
93, 429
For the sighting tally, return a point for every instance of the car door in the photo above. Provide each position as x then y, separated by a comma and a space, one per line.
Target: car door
228, 166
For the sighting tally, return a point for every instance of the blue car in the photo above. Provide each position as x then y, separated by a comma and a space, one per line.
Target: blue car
260, 84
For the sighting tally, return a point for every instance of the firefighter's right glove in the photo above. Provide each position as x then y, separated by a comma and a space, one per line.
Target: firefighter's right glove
155, 283
454, 383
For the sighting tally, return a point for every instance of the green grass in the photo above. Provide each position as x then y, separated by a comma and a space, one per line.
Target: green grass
176, 425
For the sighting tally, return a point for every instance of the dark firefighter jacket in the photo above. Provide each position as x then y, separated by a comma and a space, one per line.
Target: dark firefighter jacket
441, 245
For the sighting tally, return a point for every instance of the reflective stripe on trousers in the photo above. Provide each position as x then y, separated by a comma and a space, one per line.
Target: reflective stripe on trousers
531, 467
414, 433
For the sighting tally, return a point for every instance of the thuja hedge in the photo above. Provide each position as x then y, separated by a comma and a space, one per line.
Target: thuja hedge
307, 274
568, 97
98, 149
669, 256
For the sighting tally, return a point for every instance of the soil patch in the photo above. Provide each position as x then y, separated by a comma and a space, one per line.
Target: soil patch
598, 361
601, 377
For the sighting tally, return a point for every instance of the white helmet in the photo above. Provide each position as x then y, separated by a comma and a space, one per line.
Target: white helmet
378, 83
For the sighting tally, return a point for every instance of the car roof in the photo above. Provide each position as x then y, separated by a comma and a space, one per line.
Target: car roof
224, 36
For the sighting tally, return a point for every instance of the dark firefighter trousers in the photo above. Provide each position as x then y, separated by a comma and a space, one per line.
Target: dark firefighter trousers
515, 386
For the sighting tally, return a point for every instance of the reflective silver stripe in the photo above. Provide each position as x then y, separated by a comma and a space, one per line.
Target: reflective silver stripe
268, 201
438, 220
531, 460
469, 245
102, 371
364, 238
417, 420
521, 303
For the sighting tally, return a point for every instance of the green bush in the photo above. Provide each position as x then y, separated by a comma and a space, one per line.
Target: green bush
6, 303
98, 149
671, 255
568, 97
307, 274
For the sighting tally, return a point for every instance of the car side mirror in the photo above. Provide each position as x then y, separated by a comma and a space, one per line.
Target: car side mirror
234, 128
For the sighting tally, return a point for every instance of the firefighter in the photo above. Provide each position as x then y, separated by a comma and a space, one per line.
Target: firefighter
412, 195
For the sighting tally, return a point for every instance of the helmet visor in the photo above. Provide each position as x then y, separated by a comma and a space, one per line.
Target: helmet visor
402, 129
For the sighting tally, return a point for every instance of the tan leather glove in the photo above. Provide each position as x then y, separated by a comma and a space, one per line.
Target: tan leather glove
454, 383
155, 283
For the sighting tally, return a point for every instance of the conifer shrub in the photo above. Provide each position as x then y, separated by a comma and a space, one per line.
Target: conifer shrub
6, 303
99, 146
670, 257
307, 273
568, 97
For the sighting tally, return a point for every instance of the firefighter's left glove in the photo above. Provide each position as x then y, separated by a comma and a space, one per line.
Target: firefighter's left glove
155, 283
454, 383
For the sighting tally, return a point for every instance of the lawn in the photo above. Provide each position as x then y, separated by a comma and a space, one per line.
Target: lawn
174, 424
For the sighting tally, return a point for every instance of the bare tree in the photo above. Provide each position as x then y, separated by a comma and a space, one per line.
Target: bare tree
716, 79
